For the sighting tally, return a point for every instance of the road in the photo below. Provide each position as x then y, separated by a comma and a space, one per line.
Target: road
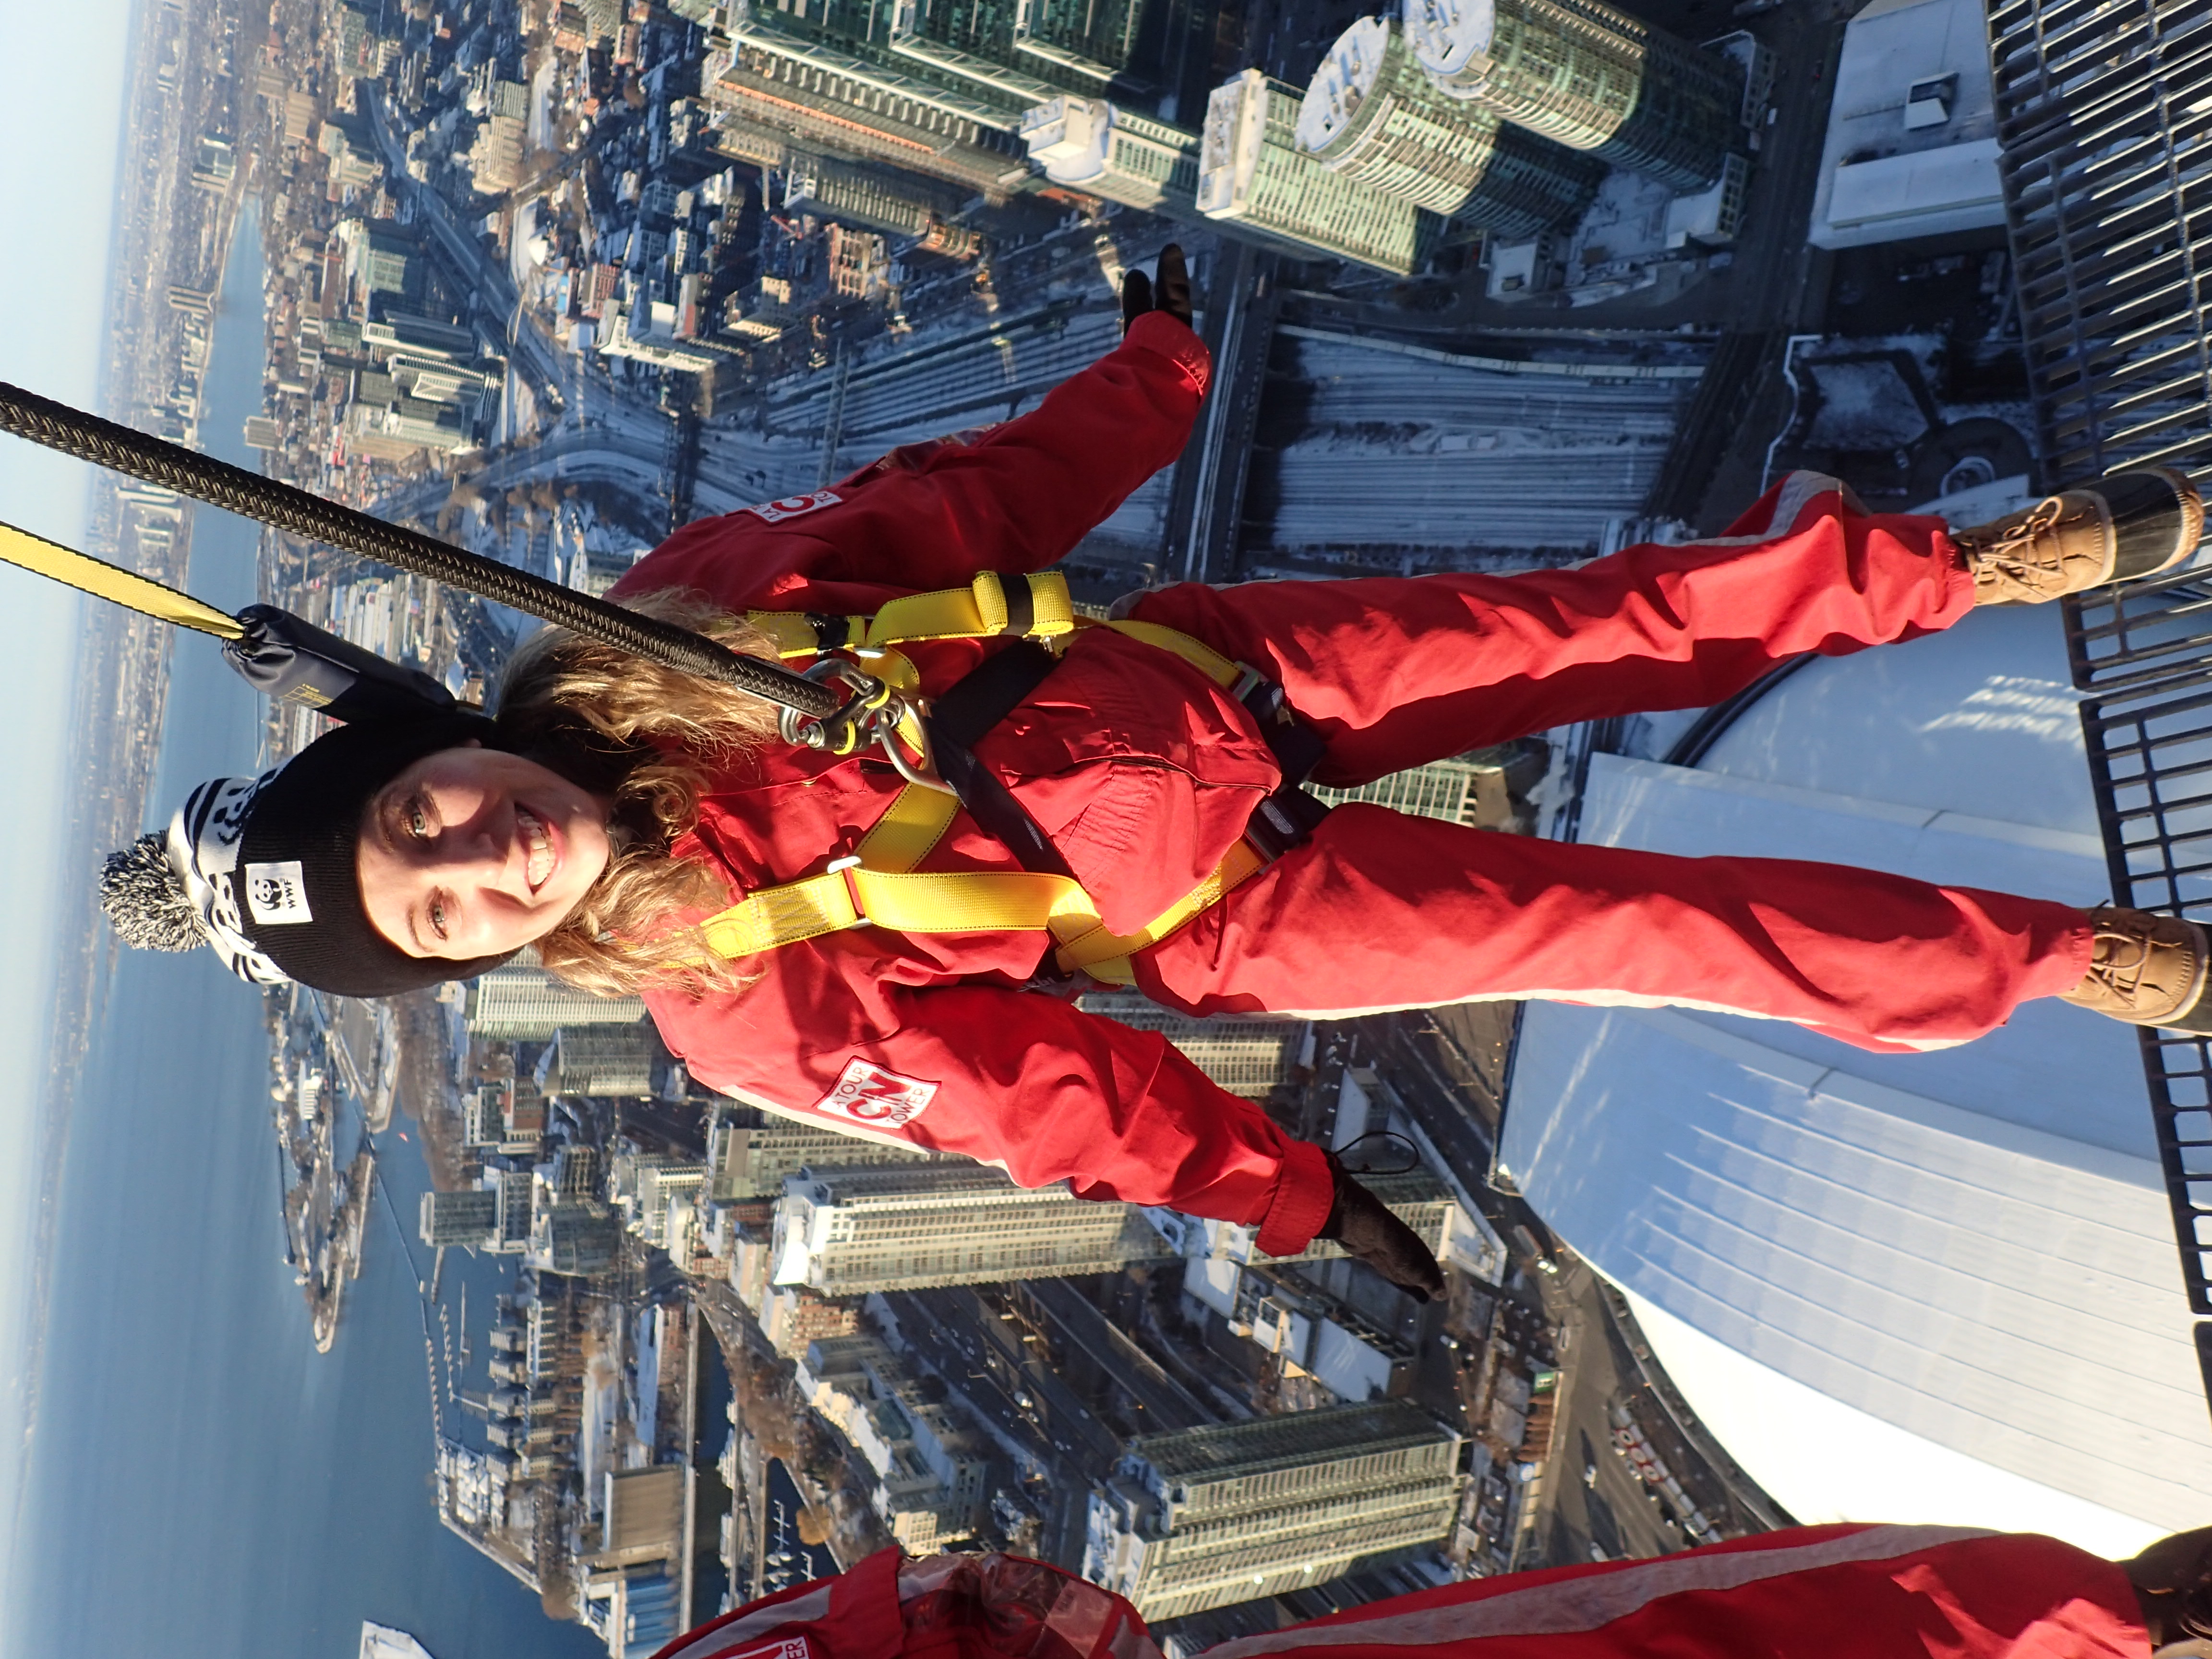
1593, 1507
1020, 1399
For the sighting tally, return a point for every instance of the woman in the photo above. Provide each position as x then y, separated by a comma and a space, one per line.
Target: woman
613, 805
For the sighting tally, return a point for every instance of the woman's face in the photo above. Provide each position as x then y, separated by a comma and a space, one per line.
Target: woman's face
473, 853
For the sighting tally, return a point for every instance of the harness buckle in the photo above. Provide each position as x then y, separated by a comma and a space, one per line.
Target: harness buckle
838, 867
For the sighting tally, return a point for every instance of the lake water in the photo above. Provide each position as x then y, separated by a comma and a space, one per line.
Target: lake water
202, 1483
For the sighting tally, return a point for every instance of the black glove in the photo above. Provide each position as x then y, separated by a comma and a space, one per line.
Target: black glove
1367, 1230
2172, 1581
1171, 294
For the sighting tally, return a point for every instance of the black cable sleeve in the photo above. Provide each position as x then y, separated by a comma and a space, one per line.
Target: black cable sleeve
141, 455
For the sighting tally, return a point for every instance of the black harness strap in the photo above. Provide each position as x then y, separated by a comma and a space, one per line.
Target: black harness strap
1290, 814
1021, 602
957, 720
987, 694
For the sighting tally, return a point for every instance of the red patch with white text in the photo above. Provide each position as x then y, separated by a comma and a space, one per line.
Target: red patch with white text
789, 1646
868, 1094
793, 507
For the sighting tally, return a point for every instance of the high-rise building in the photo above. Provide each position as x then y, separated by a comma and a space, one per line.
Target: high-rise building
1312, 1332
1590, 77
646, 1186
749, 1159
1371, 114
1246, 1056
1106, 150
1256, 183
571, 1237
1442, 789
836, 88
846, 1232
931, 1467
973, 44
1231, 1512
493, 1216
469, 1220
523, 1003
601, 1059
896, 202
384, 266
1415, 1196
1092, 40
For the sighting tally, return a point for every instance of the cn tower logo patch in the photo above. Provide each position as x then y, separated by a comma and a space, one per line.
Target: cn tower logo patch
866, 1093
793, 507
791, 1647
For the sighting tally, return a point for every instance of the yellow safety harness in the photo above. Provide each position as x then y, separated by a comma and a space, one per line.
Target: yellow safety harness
876, 886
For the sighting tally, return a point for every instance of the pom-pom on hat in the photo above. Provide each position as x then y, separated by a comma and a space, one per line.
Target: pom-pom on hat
263, 869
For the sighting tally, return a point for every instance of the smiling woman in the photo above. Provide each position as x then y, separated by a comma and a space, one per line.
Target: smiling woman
470, 853
821, 933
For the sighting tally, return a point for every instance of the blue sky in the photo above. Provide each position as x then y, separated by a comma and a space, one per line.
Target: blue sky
60, 114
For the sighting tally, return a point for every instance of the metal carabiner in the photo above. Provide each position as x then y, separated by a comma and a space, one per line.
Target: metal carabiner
872, 715
920, 771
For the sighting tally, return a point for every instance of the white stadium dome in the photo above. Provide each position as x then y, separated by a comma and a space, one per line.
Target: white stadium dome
1936, 1287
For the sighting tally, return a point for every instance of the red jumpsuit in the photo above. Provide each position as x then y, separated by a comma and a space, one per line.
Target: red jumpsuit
1840, 1592
1144, 773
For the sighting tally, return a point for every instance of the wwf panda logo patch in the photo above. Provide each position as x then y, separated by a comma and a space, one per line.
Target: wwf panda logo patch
277, 894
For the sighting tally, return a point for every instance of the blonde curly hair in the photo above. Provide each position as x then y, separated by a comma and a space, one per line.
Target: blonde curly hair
660, 736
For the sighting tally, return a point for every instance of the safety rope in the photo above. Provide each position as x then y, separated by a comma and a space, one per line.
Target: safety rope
274, 502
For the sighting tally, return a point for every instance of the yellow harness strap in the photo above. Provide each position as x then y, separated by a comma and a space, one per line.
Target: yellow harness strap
978, 611
875, 887
849, 894
107, 581
1209, 662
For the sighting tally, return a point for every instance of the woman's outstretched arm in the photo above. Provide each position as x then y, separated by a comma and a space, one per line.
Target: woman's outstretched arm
1017, 497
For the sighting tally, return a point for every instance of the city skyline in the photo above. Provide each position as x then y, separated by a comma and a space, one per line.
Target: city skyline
552, 278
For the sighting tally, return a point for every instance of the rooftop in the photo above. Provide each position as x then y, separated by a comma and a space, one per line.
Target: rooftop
1912, 148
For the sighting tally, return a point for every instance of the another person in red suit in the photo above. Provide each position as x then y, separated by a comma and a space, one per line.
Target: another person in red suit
1836, 1592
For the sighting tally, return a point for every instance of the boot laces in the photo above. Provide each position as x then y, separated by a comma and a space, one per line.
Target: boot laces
2119, 969
2023, 549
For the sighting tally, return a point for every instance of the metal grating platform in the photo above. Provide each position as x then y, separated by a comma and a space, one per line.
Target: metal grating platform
2105, 121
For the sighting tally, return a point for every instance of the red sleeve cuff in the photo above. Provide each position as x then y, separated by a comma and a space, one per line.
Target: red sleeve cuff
1304, 1193
1156, 332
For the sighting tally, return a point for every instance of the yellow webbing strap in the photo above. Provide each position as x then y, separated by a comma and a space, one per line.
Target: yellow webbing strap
903, 836
1106, 956
792, 633
107, 582
1204, 658
978, 611
969, 902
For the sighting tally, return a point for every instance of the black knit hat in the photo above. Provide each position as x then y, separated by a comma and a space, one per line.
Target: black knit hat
310, 814
265, 869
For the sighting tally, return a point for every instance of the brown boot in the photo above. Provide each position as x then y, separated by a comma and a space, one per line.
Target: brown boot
2131, 525
2148, 970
